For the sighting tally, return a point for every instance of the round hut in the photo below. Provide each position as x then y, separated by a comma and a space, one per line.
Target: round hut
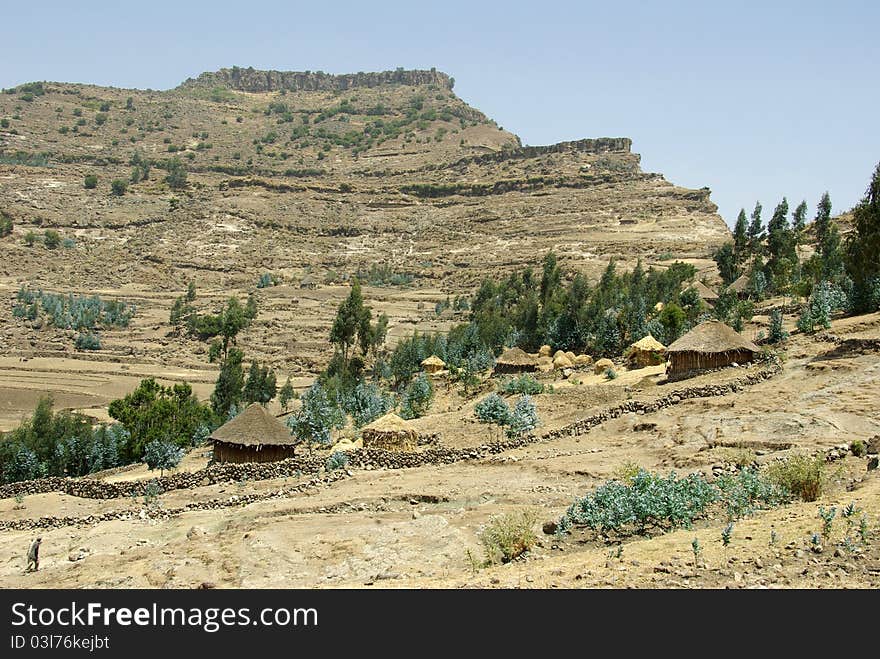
709, 345
706, 294
390, 433
253, 436
433, 364
647, 351
516, 360
740, 286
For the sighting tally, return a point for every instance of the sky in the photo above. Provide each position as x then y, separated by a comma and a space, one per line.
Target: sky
755, 100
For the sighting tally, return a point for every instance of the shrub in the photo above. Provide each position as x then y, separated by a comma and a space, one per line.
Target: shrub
267, 279
90, 182
524, 384
649, 500
30, 238
118, 186
610, 374
858, 448
87, 342
524, 417
5, 225
365, 403
176, 178
417, 397
338, 460
626, 472
508, 536
801, 475
776, 332
492, 409
100, 118
747, 491
51, 239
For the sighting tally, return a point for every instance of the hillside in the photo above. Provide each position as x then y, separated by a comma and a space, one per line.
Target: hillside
312, 178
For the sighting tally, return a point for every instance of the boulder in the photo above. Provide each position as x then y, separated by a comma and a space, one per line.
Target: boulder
571, 356
602, 365
583, 360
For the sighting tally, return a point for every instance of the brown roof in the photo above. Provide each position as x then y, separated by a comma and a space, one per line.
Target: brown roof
254, 427
433, 360
388, 423
704, 291
648, 343
517, 357
712, 336
740, 285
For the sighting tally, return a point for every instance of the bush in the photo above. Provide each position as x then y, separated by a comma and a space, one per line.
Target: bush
176, 178
5, 225
776, 332
417, 397
118, 186
508, 536
524, 417
801, 475
338, 460
51, 239
101, 118
267, 279
524, 384
492, 409
858, 448
90, 182
30, 238
162, 455
648, 500
747, 491
87, 342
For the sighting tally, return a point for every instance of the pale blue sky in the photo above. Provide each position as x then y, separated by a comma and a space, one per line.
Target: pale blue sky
755, 100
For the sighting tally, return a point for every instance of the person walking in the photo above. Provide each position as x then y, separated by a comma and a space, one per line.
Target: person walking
33, 555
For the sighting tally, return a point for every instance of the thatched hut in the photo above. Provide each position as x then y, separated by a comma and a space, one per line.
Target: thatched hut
647, 351
390, 433
709, 345
253, 436
740, 286
516, 360
433, 364
706, 294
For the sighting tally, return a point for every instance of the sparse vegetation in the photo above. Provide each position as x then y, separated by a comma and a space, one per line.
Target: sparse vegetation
90, 182
508, 536
800, 474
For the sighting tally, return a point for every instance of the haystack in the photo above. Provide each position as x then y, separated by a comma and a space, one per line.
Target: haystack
602, 365
647, 351
709, 345
561, 361
390, 433
433, 364
545, 351
253, 436
583, 360
515, 360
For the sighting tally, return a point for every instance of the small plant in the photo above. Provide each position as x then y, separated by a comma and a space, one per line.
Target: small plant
118, 187
30, 238
51, 239
508, 536
90, 182
338, 460
626, 472
19, 502
726, 534
524, 384
815, 542
610, 374
152, 490
863, 529
776, 332
827, 517
858, 448
87, 341
774, 538
800, 474
697, 550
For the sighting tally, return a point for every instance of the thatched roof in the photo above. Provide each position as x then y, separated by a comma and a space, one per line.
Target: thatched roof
711, 337
517, 357
740, 284
389, 423
648, 344
254, 427
433, 360
704, 291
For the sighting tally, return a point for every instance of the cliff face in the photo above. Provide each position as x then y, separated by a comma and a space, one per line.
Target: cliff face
256, 81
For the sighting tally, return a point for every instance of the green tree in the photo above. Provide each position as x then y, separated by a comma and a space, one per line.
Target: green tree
798, 222
822, 220
162, 455
776, 333
756, 230
285, 394
672, 318
261, 384
156, 412
740, 237
352, 324
232, 321
230, 383
863, 248
782, 257
318, 416
726, 260
417, 397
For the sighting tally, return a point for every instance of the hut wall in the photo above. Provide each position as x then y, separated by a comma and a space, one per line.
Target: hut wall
686, 364
433, 368
401, 440
224, 452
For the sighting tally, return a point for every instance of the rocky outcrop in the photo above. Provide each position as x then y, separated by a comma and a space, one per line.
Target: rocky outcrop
257, 81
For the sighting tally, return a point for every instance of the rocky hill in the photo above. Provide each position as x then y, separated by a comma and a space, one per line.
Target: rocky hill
311, 177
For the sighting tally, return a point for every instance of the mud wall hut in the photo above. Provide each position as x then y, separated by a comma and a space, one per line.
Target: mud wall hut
708, 345
253, 436
516, 360
647, 351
